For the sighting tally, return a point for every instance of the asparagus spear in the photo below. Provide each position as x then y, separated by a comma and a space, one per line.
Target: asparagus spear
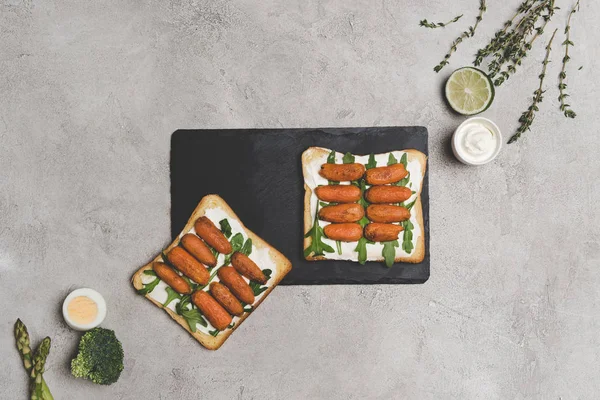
39, 361
24, 347
22, 337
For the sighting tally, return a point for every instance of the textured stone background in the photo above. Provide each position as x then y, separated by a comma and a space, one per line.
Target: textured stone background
90, 94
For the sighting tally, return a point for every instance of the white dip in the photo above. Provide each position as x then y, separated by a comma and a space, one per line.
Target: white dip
476, 142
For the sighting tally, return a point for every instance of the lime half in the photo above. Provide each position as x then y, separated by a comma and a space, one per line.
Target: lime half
469, 91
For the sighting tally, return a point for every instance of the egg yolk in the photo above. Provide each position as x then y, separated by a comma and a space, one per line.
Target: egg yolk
82, 310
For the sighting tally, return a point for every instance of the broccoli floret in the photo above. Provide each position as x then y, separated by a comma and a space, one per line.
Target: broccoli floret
100, 357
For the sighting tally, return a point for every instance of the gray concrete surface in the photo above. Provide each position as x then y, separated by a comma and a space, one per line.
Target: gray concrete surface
90, 94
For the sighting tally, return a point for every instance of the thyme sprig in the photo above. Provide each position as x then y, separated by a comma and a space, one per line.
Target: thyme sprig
502, 35
509, 46
528, 116
526, 43
434, 25
465, 35
564, 107
520, 41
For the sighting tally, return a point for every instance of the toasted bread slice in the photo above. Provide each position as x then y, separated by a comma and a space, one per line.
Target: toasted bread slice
280, 264
314, 157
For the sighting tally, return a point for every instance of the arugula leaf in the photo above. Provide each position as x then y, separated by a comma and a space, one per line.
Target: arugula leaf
225, 227
389, 252
317, 247
172, 295
403, 181
237, 242
193, 285
361, 248
348, 158
364, 203
192, 316
392, 160
410, 205
183, 303
364, 221
331, 160
404, 160
256, 288
212, 275
214, 332
362, 184
215, 252
148, 287
371, 163
247, 247
249, 309
407, 238
331, 157
338, 244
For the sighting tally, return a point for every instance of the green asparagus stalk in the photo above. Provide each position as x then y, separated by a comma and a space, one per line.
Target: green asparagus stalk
39, 361
24, 347
22, 337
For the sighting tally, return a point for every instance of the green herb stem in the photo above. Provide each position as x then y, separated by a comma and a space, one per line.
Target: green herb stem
515, 42
434, 25
522, 44
501, 36
512, 46
465, 35
564, 107
528, 116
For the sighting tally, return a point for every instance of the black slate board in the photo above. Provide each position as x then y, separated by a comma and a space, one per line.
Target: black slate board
259, 173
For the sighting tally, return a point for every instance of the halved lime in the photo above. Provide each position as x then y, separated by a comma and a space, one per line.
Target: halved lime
469, 91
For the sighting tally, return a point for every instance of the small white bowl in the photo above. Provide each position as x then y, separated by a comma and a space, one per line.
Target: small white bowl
458, 152
96, 298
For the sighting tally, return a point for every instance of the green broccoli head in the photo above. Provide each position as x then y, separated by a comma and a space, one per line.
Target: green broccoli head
100, 357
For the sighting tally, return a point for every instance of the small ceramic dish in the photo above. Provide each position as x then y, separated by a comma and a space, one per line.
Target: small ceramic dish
84, 309
476, 141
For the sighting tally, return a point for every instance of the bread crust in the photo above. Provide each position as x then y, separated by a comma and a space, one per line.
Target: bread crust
282, 264
418, 254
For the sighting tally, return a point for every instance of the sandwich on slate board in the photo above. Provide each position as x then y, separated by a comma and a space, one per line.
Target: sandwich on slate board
363, 208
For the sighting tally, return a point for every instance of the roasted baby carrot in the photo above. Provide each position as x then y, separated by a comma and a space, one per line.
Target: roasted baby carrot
377, 232
342, 172
349, 232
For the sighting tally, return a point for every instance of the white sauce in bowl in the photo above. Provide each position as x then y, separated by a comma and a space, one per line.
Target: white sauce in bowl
476, 141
